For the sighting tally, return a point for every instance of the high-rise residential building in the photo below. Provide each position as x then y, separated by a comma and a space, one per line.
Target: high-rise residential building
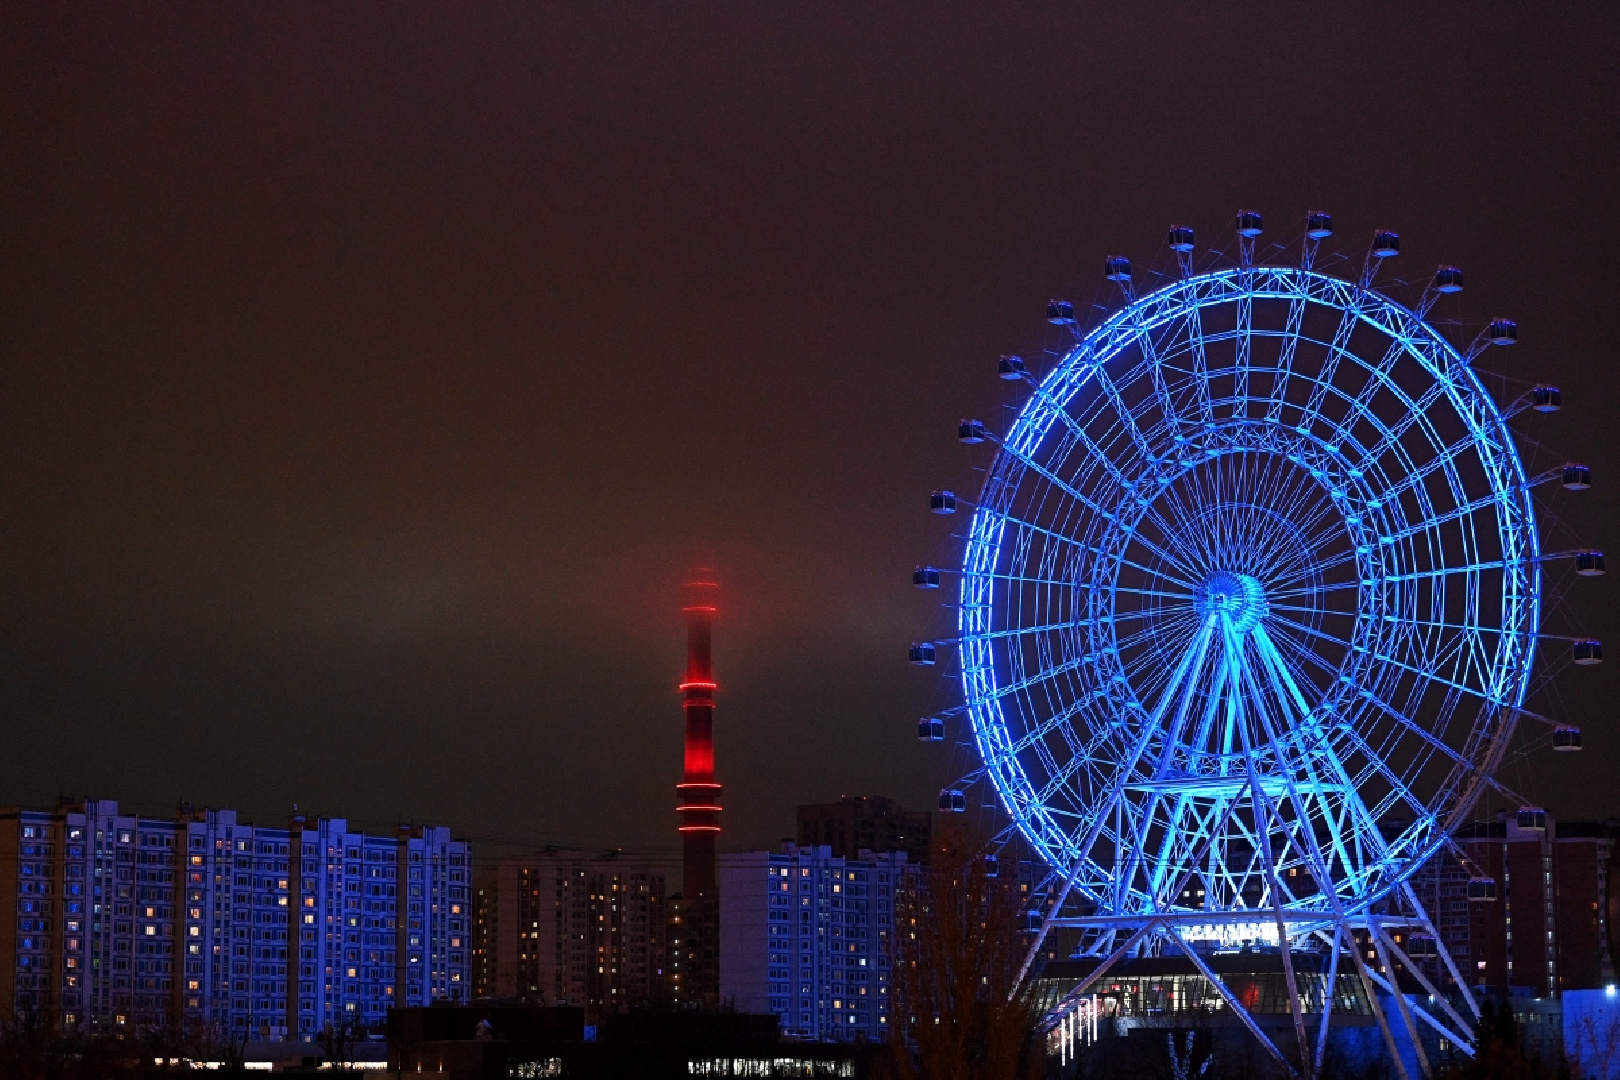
808, 935
857, 823
115, 921
1547, 930
561, 928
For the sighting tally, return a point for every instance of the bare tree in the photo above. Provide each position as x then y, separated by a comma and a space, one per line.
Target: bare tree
337, 1043
959, 1010
1593, 1049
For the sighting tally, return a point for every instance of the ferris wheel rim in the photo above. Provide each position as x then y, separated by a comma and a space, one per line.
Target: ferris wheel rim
1091, 354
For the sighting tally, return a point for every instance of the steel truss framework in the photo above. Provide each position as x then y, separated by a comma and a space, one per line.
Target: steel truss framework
1254, 570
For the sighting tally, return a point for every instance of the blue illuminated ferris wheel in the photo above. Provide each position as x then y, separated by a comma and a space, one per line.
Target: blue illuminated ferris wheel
1248, 610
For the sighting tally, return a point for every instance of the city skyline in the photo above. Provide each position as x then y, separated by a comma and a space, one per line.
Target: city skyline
357, 463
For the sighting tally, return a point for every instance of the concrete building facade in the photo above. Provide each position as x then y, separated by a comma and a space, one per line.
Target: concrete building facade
115, 921
808, 935
857, 823
1547, 930
562, 928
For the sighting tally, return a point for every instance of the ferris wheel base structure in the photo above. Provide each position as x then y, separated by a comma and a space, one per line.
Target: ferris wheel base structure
1247, 619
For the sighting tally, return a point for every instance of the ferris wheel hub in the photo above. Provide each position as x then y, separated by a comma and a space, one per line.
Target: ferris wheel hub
1239, 598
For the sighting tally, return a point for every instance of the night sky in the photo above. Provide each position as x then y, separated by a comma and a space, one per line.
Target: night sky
372, 374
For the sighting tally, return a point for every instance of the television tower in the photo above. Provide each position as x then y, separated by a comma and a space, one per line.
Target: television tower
699, 809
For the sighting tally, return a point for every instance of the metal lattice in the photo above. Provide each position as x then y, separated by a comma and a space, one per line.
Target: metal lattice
1254, 574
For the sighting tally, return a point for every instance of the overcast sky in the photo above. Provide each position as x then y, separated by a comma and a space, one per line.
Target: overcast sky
371, 374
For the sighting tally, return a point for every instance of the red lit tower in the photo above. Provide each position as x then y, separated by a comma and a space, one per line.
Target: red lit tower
699, 810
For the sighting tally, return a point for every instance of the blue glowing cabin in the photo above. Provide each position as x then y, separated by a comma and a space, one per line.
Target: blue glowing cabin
1448, 279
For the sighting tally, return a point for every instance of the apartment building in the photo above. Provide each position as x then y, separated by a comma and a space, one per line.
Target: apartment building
110, 920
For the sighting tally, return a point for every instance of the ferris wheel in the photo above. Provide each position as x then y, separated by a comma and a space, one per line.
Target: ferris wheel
1248, 610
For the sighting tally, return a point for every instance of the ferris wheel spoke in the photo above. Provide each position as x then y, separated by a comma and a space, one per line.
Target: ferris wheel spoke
1020, 631
1077, 430
1158, 633
1152, 727
1414, 477
1150, 356
1080, 546
1320, 635
1200, 361
1437, 679
1070, 583
1416, 729
1397, 785
1055, 722
1074, 493
1313, 590
1379, 377
1127, 418
1156, 594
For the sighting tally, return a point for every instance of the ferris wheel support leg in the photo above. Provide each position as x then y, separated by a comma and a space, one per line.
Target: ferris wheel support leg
1084, 851
1341, 922
1445, 955
1370, 987
1380, 945
1232, 1002
1417, 973
1265, 816
1329, 994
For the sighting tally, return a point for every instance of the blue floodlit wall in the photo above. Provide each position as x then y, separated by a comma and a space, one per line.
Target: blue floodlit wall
807, 936
134, 923
1592, 1033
